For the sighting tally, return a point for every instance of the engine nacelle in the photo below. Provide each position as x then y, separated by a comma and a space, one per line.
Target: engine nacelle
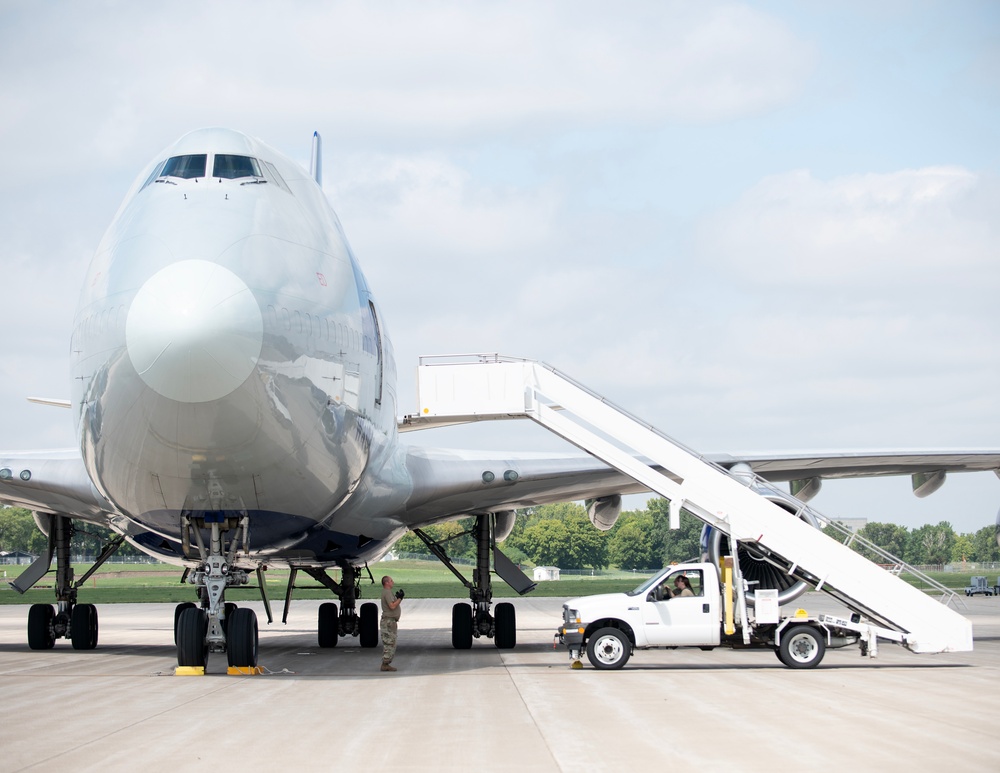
43, 521
604, 511
757, 569
503, 524
926, 483
805, 489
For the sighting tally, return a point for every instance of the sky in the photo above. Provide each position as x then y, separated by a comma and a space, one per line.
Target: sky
765, 226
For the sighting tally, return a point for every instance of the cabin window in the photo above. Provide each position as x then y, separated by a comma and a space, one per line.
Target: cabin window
230, 167
154, 174
185, 167
271, 172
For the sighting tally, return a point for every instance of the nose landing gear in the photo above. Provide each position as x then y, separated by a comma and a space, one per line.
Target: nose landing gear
215, 626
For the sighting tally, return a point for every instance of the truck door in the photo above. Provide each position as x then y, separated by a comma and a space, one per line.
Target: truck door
681, 619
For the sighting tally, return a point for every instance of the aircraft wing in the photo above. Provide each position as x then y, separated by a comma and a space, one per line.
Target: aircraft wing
862, 464
51, 482
448, 483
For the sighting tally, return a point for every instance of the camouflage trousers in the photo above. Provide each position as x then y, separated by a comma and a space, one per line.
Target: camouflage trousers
388, 630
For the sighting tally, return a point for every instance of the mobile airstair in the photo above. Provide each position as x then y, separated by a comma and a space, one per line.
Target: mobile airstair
464, 388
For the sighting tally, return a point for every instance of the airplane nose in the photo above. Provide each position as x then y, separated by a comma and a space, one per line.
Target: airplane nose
194, 331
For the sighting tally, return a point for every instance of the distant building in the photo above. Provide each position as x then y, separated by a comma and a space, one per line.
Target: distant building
15, 557
543, 573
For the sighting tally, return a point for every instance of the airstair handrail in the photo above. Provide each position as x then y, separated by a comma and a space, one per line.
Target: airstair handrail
948, 595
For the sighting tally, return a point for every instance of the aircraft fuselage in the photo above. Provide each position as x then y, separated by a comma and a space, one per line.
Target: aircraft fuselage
229, 358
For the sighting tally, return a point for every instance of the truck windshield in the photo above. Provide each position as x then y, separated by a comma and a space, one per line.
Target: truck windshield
646, 585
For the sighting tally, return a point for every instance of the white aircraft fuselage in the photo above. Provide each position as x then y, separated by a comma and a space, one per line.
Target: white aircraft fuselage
228, 358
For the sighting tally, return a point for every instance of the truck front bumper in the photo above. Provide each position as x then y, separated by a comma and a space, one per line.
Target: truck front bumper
571, 637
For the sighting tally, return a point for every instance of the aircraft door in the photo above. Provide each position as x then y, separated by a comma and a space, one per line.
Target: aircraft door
680, 619
374, 333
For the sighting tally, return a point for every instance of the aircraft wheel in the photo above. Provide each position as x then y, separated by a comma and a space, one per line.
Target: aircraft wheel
40, 635
242, 638
229, 609
461, 626
178, 610
83, 627
369, 625
609, 648
802, 646
192, 628
328, 622
505, 636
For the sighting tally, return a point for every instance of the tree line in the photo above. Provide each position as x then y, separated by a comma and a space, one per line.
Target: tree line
18, 532
562, 535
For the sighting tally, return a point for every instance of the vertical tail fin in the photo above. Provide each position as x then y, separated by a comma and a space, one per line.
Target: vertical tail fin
316, 164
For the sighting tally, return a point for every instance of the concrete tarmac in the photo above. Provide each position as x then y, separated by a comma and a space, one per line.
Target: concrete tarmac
120, 707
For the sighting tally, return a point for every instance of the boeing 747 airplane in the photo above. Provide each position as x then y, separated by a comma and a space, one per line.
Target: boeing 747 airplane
234, 396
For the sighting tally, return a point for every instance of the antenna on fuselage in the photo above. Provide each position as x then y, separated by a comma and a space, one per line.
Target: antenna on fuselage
316, 164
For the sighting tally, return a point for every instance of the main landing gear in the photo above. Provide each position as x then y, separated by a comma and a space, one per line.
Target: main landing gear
214, 625
475, 620
68, 619
334, 624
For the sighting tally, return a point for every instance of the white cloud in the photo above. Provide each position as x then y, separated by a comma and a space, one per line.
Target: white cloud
395, 72
797, 231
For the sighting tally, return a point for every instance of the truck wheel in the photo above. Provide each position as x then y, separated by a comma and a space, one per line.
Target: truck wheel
608, 648
802, 646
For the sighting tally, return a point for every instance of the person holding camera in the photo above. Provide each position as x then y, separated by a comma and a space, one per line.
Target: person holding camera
390, 621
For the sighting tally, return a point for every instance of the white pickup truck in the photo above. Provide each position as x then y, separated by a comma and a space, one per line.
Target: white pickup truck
708, 614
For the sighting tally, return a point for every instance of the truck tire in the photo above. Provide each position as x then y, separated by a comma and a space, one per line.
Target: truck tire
608, 648
802, 646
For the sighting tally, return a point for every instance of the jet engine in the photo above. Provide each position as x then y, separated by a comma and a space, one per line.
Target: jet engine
758, 570
503, 524
604, 511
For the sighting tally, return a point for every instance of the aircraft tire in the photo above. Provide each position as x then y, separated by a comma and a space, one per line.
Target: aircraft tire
369, 625
230, 608
802, 646
608, 648
242, 639
178, 610
40, 636
461, 626
326, 628
191, 630
83, 627
505, 636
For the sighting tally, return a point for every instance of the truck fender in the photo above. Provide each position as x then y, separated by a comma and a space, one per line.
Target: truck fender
610, 622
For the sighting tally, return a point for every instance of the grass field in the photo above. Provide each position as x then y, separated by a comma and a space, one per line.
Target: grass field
138, 583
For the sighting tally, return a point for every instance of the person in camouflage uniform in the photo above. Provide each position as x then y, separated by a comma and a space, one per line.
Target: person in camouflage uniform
390, 622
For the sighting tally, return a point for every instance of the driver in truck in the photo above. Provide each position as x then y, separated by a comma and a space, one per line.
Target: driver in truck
682, 586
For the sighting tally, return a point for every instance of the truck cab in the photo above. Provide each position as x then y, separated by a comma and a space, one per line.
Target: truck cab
680, 607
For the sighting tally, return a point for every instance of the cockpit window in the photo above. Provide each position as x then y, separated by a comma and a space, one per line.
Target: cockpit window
231, 167
185, 167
